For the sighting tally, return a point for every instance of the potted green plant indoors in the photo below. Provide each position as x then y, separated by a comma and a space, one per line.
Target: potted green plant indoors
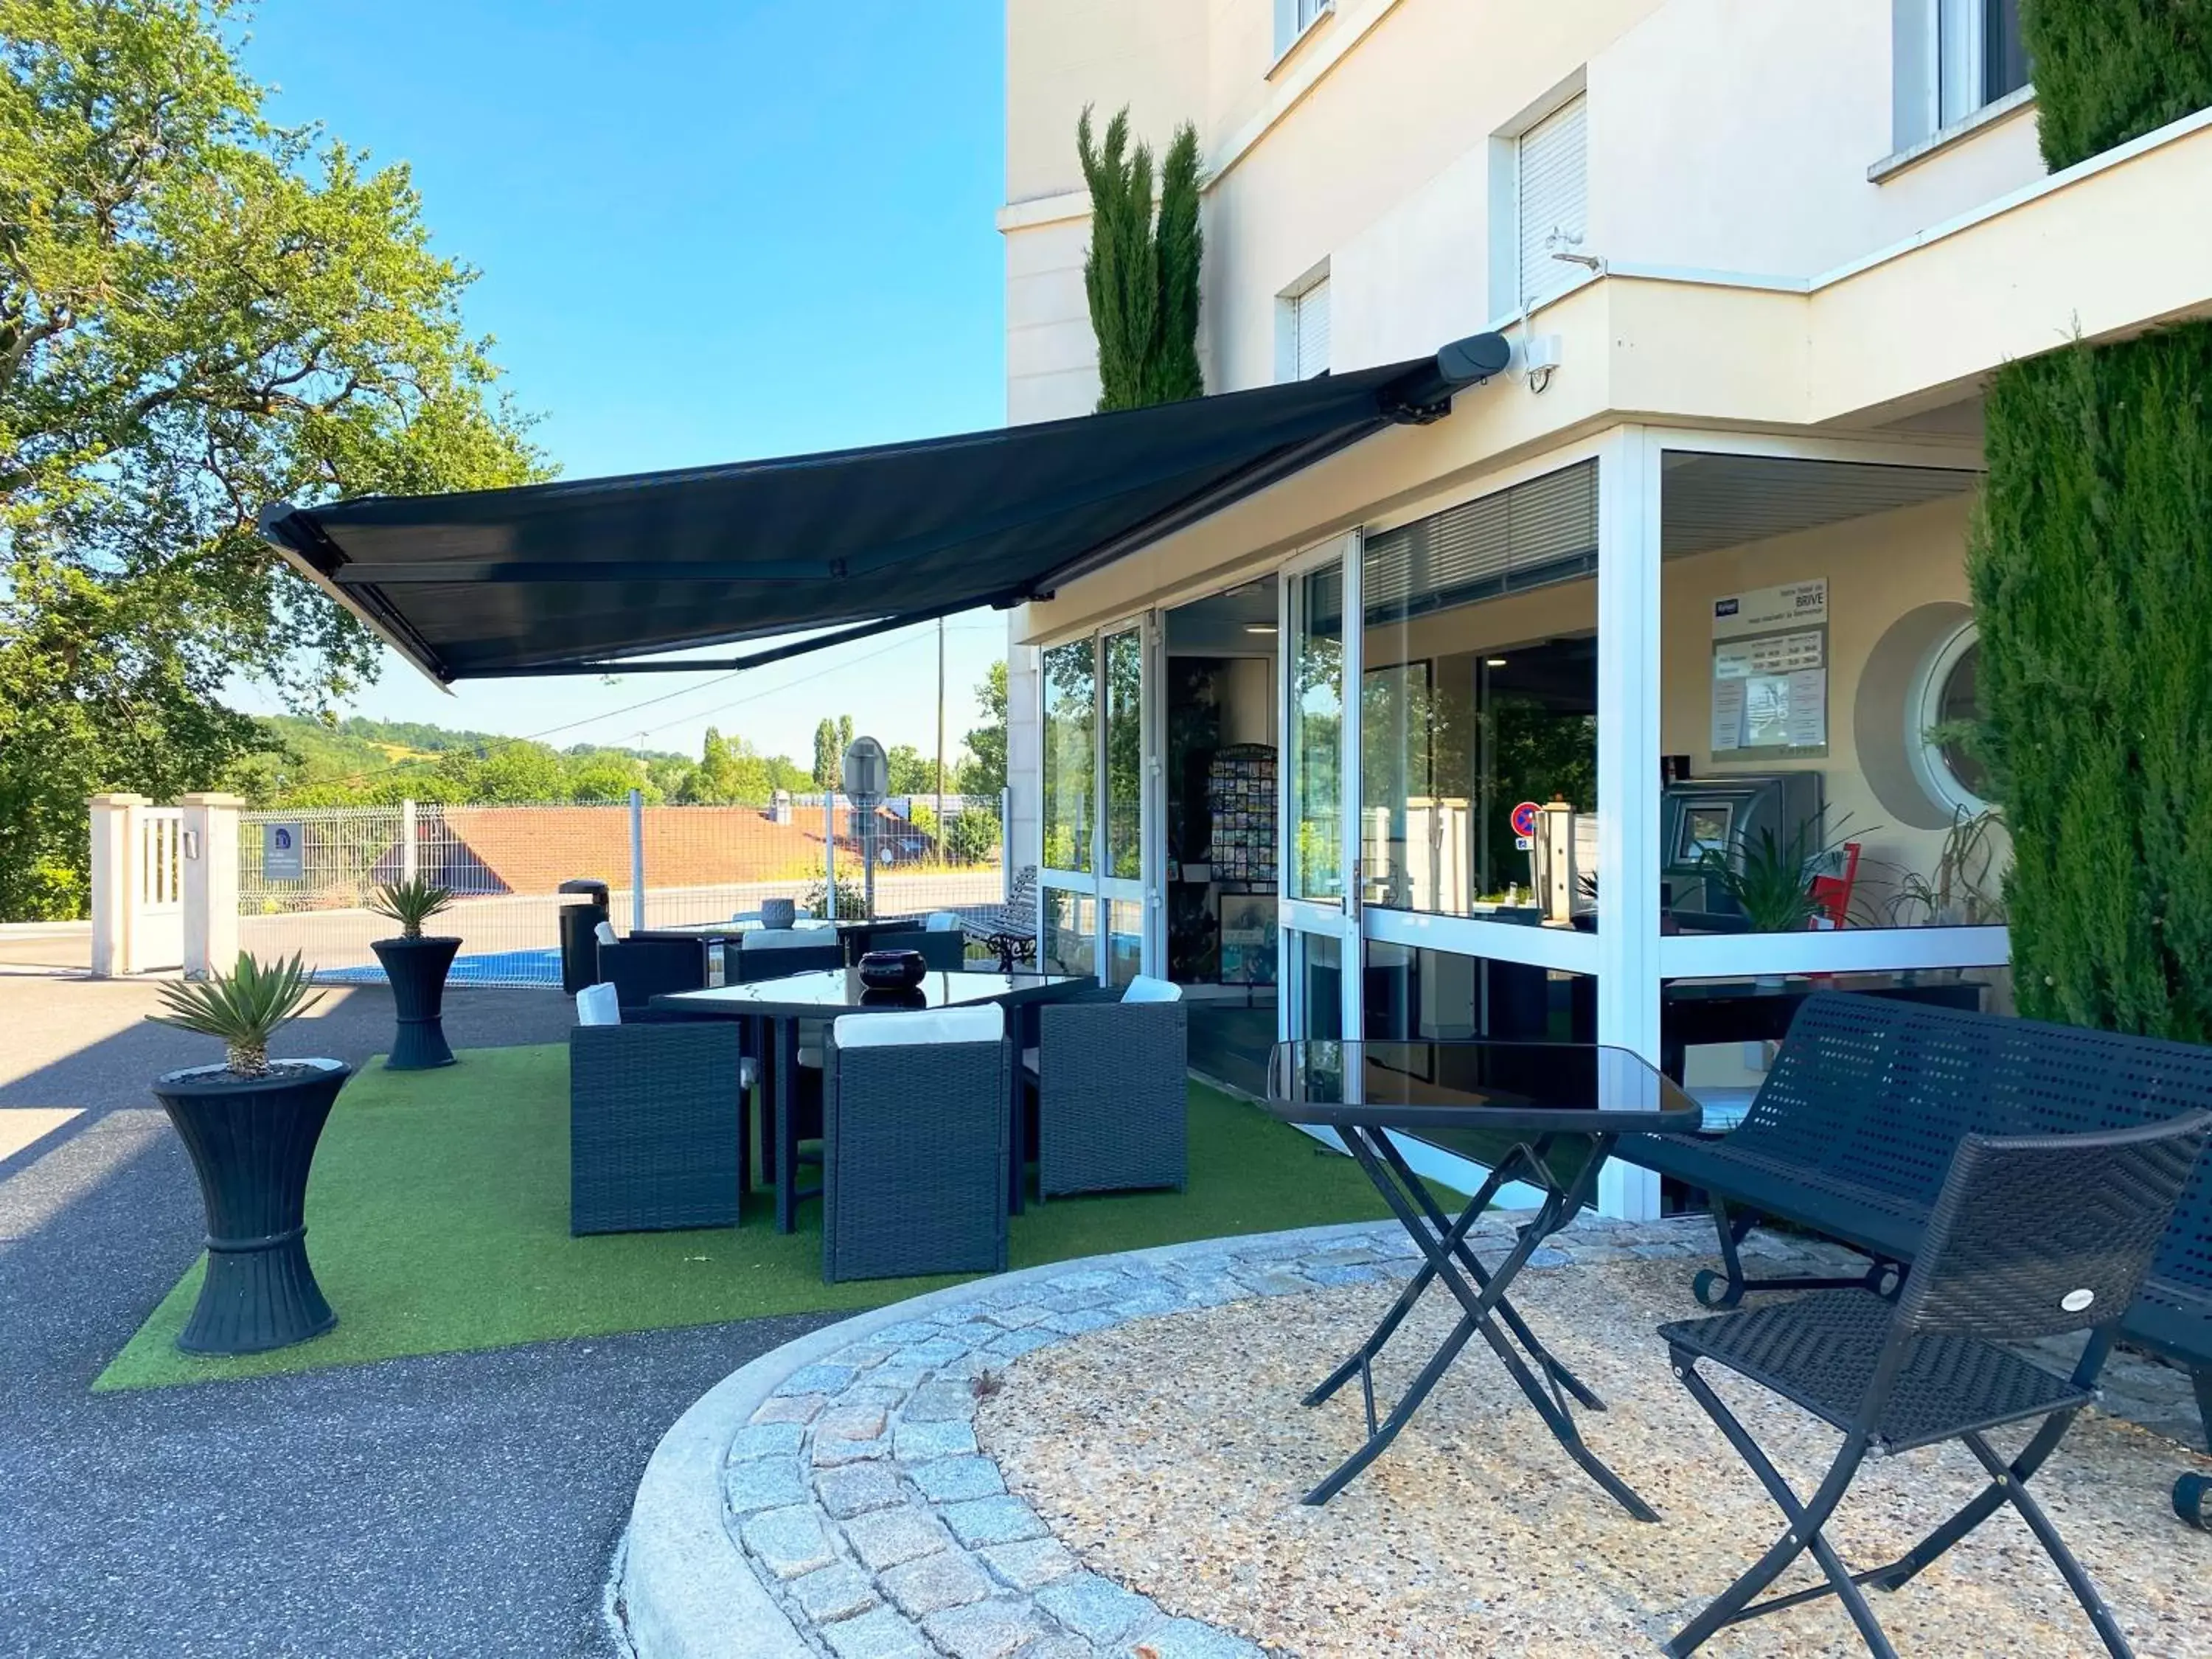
417, 968
251, 1124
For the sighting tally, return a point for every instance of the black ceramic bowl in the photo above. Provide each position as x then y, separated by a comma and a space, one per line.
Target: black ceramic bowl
892, 971
899, 996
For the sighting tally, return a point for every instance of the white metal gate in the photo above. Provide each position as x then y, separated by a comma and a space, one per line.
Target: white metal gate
158, 923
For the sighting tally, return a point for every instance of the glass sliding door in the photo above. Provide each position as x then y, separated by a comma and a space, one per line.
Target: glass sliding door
1123, 774
1098, 780
1319, 599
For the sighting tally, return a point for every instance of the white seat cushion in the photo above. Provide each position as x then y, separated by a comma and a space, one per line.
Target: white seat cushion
985, 1024
605, 932
748, 1073
941, 922
782, 939
810, 1056
598, 1005
1145, 989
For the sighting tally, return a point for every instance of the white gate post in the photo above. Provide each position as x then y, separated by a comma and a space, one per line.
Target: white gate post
115, 853
210, 885
408, 858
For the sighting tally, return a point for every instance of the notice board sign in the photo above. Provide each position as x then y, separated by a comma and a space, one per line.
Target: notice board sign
283, 854
1770, 673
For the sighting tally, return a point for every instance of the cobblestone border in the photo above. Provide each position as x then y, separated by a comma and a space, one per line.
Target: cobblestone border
830, 1501
857, 1519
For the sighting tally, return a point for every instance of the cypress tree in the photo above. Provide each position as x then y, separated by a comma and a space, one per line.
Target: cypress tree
1142, 280
2091, 572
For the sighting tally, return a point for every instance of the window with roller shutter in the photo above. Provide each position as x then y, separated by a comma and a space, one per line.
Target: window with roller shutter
1307, 319
1552, 192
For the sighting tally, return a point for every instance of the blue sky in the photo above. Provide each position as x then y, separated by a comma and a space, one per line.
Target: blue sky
708, 230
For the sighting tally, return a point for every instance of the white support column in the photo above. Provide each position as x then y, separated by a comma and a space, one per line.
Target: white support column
210, 884
1628, 693
115, 853
409, 852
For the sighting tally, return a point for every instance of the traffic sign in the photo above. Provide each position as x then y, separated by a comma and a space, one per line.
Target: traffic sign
1524, 819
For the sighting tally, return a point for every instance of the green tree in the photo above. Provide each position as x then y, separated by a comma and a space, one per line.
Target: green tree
1141, 272
2110, 71
827, 755
985, 773
2092, 568
515, 773
200, 311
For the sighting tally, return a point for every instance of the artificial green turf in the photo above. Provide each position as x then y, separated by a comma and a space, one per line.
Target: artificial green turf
438, 1221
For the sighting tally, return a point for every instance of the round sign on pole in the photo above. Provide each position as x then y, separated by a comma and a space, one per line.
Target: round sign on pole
1524, 818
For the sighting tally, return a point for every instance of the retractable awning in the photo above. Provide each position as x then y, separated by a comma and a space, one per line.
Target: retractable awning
583, 577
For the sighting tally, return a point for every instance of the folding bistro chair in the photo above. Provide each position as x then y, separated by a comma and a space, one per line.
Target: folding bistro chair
2031, 1237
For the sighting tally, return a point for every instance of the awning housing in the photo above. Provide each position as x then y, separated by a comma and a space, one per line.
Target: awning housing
583, 577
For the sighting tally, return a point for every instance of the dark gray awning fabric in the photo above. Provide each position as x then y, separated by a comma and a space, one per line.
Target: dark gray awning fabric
576, 577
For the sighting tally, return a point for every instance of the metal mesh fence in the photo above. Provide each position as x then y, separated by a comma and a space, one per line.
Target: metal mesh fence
304, 876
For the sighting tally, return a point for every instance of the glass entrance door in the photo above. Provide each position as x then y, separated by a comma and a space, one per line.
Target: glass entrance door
1319, 604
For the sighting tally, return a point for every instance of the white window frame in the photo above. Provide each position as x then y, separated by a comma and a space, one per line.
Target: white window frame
1930, 768
1941, 70
1295, 20
1290, 322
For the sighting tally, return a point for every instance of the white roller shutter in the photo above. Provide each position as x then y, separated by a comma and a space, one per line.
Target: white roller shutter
1310, 331
1554, 193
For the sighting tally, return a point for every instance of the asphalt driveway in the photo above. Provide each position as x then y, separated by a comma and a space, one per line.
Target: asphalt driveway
457, 1504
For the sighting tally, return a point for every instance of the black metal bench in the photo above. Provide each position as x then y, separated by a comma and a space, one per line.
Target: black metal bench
1853, 1132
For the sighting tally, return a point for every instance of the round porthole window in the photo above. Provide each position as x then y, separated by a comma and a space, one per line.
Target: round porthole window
1948, 693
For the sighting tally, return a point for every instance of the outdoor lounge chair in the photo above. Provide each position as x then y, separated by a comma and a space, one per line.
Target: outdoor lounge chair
916, 1139
774, 955
2030, 1237
1112, 1079
656, 1122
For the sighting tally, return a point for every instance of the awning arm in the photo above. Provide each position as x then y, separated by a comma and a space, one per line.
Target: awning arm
755, 659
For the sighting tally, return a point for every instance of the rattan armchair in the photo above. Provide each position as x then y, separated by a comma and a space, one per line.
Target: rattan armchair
1113, 1095
915, 1139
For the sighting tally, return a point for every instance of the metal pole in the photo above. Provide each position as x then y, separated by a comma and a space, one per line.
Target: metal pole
409, 860
636, 860
829, 852
940, 740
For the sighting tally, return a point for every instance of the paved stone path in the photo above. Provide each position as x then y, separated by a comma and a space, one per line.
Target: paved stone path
858, 1494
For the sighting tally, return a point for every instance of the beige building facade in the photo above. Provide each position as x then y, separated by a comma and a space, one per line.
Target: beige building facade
1690, 577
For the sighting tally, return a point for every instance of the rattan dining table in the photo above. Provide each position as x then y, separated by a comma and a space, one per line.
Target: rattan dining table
1543, 1114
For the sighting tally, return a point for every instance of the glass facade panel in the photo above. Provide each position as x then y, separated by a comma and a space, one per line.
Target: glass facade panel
1413, 994
1316, 739
1318, 961
1125, 941
1481, 693
1071, 933
1124, 655
1819, 700
1071, 756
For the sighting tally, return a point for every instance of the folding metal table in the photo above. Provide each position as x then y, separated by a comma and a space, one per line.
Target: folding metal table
1540, 1112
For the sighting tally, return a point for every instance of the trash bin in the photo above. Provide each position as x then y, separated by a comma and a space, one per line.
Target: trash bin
580, 944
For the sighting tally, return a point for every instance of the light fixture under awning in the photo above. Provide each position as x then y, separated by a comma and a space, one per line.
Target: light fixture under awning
584, 577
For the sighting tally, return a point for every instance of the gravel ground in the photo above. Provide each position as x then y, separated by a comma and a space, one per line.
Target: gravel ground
465, 1503
1169, 1454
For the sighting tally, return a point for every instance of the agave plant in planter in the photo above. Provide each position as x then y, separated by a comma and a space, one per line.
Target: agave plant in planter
251, 1124
417, 968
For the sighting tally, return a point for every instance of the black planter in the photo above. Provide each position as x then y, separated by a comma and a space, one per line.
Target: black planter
251, 1142
416, 969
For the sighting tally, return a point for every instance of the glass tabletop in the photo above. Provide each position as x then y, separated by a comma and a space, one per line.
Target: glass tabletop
1474, 1083
840, 990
